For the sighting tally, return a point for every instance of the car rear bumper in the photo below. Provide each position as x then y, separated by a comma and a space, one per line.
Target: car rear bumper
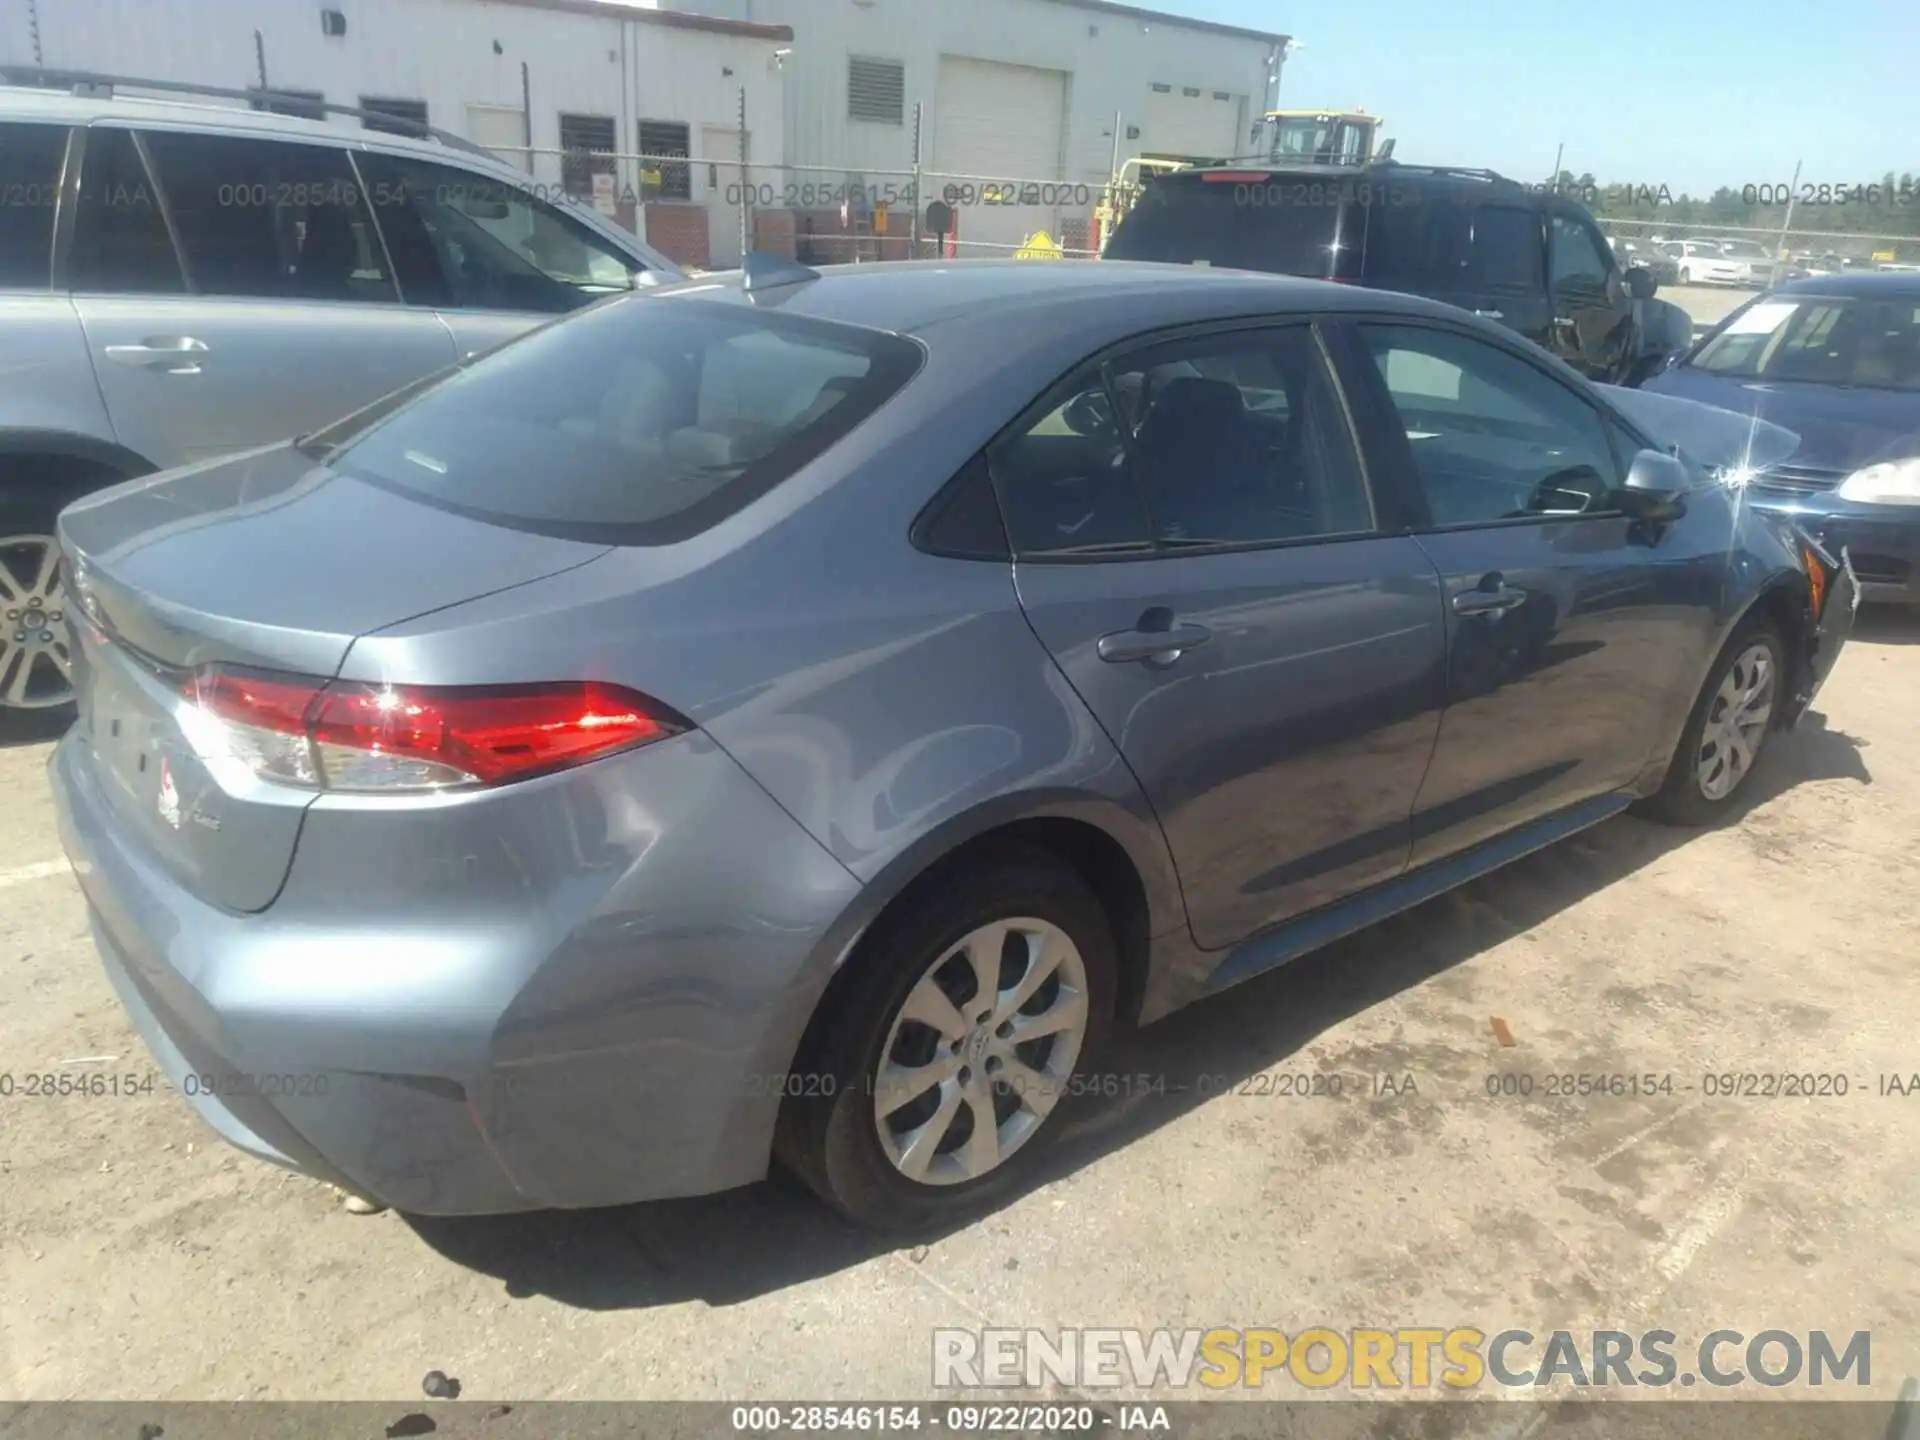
1881, 541
585, 991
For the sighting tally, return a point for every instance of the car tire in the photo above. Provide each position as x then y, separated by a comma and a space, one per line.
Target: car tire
1719, 751
1686, 276
860, 1157
30, 504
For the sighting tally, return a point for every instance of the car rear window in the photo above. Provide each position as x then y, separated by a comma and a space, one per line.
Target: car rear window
1276, 223
639, 421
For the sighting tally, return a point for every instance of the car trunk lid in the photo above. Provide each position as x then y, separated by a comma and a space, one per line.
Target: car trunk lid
266, 561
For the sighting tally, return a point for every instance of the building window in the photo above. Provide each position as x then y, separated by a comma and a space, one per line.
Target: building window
412, 114
876, 90
586, 145
1160, 89
302, 104
666, 138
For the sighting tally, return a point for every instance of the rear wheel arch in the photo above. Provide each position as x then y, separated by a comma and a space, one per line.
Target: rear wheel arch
37, 465
1094, 853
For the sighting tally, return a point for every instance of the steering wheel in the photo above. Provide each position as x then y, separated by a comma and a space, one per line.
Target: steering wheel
1552, 496
1089, 413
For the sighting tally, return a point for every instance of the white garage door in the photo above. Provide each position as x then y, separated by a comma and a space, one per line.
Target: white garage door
1004, 122
1182, 120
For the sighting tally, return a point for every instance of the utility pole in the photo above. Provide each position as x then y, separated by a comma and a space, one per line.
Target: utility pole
1553, 180
1793, 193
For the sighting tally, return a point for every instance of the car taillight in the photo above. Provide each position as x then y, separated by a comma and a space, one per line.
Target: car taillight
347, 735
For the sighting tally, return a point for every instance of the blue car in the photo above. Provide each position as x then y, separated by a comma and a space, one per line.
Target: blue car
1835, 359
802, 714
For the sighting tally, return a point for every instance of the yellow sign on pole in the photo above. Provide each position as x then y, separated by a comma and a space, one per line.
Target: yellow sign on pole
1039, 246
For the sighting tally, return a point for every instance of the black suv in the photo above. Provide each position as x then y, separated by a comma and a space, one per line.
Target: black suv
1529, 257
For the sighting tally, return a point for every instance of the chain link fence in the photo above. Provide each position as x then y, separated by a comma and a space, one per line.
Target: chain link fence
704, 211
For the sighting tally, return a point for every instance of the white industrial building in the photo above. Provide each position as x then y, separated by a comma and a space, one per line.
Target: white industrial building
1011, 89
1014, 90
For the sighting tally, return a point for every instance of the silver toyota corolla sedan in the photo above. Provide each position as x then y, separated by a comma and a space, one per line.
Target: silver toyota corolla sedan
803, 715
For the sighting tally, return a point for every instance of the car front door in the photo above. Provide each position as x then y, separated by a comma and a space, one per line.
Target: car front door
1592, 319
234, 291
491, 259
1573, 631
1197, 546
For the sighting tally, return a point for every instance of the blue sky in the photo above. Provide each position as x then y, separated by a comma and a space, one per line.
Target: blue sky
1692, 93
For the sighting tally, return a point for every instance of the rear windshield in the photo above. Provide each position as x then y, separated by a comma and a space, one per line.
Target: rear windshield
639, 421
1277, 223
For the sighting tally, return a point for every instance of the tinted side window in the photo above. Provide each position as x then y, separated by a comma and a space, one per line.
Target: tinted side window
1065, 483
1579, 267
120, 240
30, 157
1493, 438
1223, 440
1507, 242
461, 238
266, 218
1241, 439
1424, 244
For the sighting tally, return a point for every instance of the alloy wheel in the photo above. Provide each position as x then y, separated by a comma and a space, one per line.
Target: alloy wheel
35, 664
1736, 722
983, 1047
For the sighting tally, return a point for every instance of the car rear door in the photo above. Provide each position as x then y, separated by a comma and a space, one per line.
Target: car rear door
491, 259
1573, 631
1198, 548
1481, 255
234, 290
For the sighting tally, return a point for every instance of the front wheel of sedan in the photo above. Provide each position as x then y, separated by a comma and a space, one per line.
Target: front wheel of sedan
936, 1081
1726, 732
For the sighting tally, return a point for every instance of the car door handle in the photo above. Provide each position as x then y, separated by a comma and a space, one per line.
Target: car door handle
176, 354
1164, 645
1495, 601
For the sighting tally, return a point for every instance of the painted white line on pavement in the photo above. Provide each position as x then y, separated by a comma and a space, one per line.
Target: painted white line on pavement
33, 872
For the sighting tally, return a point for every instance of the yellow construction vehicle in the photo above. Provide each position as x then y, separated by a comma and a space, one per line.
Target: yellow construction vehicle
1322, 137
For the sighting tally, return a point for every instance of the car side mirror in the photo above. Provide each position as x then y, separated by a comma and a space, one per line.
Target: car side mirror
1656, 487
1640, 283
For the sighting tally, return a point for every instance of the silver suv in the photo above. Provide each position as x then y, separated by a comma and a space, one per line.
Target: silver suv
184, 280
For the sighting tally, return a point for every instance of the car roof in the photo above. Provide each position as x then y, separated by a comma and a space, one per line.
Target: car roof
1871, 286
62, 107
1103, 300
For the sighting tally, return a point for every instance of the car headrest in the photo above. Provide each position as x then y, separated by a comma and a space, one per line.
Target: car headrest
1189, 402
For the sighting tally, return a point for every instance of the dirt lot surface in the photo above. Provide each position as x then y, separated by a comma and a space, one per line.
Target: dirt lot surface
139, 1258
1707, 304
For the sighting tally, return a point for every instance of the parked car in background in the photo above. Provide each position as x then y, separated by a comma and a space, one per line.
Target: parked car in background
1708, 261
1636, 254
183, 280
1532, 260
1758, 259
1837, 360
1178, 621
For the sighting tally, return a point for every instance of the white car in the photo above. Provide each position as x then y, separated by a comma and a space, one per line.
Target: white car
1721, 262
